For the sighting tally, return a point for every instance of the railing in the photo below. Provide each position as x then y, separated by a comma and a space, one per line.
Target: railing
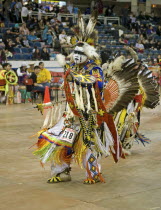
105, 20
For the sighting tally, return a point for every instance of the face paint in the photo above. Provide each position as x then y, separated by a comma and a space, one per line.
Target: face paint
79, 55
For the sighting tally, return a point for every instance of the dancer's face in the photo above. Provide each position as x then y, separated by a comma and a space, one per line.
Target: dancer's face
79, 55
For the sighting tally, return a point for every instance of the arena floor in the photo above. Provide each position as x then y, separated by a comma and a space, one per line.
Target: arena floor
131, 184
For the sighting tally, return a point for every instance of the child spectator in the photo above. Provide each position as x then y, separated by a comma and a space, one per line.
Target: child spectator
36, 55
22, 73
25, 42
44, 54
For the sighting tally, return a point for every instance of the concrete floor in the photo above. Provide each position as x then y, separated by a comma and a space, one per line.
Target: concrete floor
131, 184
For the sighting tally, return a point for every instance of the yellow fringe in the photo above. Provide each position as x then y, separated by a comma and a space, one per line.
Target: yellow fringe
39, 132
79, 149
60, 156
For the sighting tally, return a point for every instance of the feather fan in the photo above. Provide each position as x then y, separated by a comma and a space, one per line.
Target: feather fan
150, 89
122, 87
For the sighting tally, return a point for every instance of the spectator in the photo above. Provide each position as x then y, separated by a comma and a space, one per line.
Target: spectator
44, 54
8, 35
31, 67
11, 88
15, 14
8, 53
41, 25
25, 42
19, 6
24, 30
34, 5
122, 40
24, 13
46, 35
15, 30
36, 55
34, 24
3, 57
10, 46
32, 37
62, 37
68, 22
33, 76
43, 78
57, 30
17, 42
150, 31
70, 7
109, 10
158, 31
22, 73
139, 46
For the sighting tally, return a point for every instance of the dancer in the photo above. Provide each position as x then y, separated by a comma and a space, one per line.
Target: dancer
86, 130
127, 120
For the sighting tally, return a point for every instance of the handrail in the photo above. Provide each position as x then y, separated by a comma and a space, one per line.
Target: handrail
75, 16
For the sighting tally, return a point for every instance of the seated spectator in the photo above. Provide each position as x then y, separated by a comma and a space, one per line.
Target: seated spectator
15, 30
146, 43
10, 46
67, 23
62, 37
25, 42
122, 40
46, 34
158, 45
8, 53
31, 67
44, 54
24, 30
3, 57
17, 42
22, 73
139, 46
150, 31
32, 37
43, 78
54, 21
158, 31
34, 24
41, 24
36, 55
57, 30
33, 76
159, 59
7, 35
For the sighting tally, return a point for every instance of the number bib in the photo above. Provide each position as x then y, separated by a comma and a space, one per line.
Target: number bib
68, 135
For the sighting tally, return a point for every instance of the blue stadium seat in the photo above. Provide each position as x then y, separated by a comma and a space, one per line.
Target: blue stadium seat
17, 50
17, 57
37, 44
11, 25
26, 56
24, 50
3, 30
30, 50
31, 44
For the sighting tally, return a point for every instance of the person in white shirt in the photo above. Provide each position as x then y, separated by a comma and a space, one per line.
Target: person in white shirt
24, 13
139, 47
22, 73
62, 37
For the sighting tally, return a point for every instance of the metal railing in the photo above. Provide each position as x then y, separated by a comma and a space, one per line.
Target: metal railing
74, 17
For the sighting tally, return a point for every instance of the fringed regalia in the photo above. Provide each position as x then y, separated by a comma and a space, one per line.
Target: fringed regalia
99, 112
